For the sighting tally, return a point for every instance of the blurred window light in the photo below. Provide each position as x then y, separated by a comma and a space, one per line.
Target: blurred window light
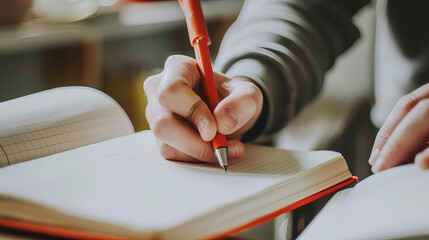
107, 2
63, 11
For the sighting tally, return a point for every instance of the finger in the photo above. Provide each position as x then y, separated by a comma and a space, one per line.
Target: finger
238, 111
179, 135
422, 159
407, 138
236, 150
167, 138
399, 111
170, 153
156, 113
176, 93
150, 85
172, 130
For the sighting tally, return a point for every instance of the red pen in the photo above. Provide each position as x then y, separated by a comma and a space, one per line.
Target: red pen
200, 40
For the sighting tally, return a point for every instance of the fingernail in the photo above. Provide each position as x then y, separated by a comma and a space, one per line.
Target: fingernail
228, 118
202, 124
379, 164
233, 151
373, 156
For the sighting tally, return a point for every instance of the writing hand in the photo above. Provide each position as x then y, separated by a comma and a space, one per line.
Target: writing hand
403, 136
183, 124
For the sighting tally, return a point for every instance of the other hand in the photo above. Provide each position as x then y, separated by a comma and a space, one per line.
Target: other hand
404, 135
183, 124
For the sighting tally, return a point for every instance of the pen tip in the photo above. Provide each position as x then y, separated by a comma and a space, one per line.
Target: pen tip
222, 156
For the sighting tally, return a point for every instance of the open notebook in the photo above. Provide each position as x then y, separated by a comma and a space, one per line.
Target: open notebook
91, 176
392, 204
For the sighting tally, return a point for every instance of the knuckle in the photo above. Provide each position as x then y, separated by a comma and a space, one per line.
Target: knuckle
193, 108
407, 102
175, 59
382, 135
189, 66
182, 69
167, 90
172, 59
150, 82
190, 72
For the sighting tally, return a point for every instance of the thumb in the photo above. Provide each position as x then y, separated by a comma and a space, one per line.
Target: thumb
240, 109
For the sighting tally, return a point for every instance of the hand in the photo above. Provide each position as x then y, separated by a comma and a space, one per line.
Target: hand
404, 135
183, 124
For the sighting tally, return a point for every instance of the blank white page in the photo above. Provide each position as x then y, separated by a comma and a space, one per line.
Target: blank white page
392, 204
124, 181
57, 120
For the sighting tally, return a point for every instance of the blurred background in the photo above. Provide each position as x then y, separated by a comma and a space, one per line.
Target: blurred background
111, 45
114, 45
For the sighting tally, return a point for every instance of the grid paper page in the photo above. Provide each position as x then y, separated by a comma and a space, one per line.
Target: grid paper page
70, 123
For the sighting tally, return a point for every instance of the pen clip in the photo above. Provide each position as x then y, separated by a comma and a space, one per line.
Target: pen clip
194, 20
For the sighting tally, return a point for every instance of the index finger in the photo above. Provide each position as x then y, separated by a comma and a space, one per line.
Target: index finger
399, 111
407, 138
177, 93
179, 81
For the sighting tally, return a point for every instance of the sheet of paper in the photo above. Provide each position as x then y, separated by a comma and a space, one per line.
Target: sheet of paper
57, 120
392, 204
125, 181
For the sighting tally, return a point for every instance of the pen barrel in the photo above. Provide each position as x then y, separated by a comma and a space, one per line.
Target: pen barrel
208, 83
200, 40
219, 141
195, 23
202, 55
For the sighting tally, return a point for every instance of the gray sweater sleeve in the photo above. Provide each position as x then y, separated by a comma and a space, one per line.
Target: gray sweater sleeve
285, 47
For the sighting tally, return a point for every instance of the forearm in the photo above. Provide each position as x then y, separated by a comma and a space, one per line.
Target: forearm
286, 47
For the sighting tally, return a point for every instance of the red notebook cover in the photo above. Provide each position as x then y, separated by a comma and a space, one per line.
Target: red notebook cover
76, 234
